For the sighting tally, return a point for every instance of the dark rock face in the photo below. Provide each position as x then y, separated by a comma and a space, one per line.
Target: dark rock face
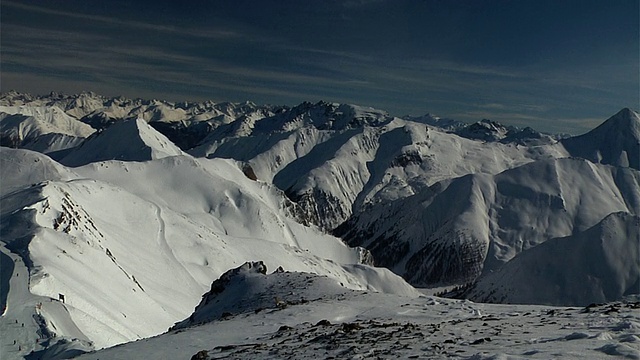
320, 208
441, 263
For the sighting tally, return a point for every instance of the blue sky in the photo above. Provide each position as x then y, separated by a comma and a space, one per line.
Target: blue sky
558, 66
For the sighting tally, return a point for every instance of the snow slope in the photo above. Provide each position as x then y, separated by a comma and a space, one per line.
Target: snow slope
129, 140
216, 194
459, 228
22, 168
251, 314
615, 142
603, 267
335, 160
40, 128
249, 288
133, 245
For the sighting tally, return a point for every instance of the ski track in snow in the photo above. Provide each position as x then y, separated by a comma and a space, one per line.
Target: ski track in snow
161, 237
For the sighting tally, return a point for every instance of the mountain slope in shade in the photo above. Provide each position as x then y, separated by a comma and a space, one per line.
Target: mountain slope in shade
615, 142
460, 227
129, 140
600, 264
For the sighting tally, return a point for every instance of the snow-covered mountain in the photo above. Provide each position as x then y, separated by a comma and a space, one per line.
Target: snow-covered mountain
547, 274
40, 128
127, 140
487, 130
132, 245
131, 208
457, 228
615, 142
335, 167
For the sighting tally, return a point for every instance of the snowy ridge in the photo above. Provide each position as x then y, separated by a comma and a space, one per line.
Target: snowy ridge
248, 288
603, 267
28, 168
41, 120
130, 140
251, 314
455, 229
43, 129
333, 174
615, 142
131, 259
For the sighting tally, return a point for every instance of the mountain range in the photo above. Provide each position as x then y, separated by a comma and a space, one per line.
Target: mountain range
120, 213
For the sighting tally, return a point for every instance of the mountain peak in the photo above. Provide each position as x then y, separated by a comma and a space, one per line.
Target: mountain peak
485, 130
624, 121
614, 142
128, 140
626, 112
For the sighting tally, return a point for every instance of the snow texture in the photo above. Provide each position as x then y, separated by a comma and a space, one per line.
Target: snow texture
251, 314
119, 214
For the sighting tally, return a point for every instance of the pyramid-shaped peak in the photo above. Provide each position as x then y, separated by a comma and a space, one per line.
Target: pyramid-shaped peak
128, 140
623, 118
615, 142
625, 123
627, 113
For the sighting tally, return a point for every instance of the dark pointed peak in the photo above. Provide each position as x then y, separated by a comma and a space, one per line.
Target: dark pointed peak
626, 112
615, 142
624, 121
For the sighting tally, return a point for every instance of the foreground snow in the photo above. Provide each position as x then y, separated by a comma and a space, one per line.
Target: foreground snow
304, 316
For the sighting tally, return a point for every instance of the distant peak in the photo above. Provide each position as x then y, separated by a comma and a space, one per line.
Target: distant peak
627, 112
616, 141
126, 140
625, 115
624, 120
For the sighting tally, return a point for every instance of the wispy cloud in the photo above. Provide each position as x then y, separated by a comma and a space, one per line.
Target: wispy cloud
127, 24
228, 59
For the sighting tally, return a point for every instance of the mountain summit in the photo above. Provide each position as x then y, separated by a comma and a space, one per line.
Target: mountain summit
128, 140
615, 142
